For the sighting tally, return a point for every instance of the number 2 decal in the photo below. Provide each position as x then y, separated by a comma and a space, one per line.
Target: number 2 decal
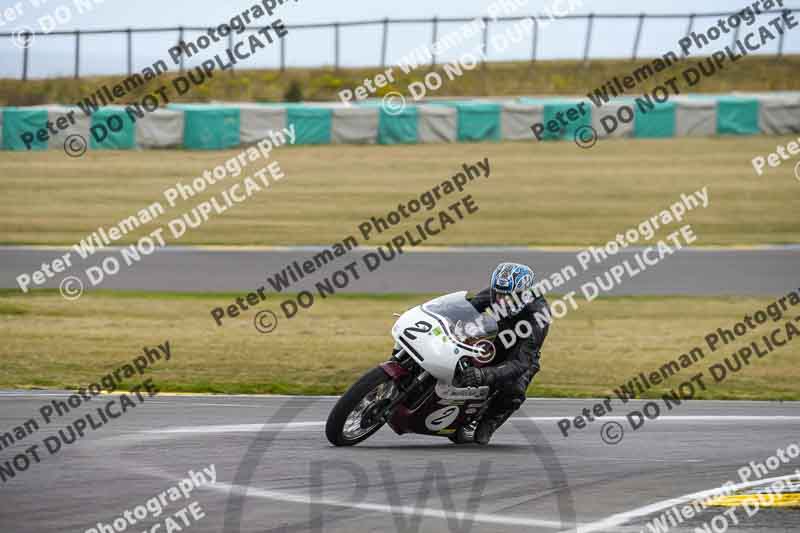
441, 418
420, 327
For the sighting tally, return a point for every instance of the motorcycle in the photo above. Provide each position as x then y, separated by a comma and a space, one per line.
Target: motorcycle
416, 390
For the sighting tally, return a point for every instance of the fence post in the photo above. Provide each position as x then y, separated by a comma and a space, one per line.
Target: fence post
385, 42
434, 38
735, 36
588, 39
689, 29
485, 44
230, 47
535, 38
180, 43
77, 53
27, 35
130, 51
780, 45
336, 45
283, 54
638, 36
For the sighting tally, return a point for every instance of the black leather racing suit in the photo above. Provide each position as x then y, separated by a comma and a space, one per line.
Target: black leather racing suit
513, 368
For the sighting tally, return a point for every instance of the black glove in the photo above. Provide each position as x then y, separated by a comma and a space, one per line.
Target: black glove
472, 377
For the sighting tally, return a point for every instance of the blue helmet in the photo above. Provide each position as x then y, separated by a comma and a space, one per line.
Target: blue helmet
510, 278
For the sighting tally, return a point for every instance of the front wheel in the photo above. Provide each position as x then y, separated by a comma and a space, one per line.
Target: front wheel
356, 416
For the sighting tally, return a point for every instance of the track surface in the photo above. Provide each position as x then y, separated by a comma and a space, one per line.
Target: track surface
770, 271
295, 479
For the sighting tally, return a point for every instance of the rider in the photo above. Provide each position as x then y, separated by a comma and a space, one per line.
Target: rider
512, 368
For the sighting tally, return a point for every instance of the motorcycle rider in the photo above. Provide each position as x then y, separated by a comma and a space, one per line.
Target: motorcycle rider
513, 368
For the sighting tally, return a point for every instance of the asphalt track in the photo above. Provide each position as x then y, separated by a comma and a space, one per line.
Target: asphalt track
765, 271
276, 472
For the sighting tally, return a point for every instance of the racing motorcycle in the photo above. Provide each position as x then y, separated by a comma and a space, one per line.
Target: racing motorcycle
416, 390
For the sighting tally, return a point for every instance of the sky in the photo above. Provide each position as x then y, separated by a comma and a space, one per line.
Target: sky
53, 55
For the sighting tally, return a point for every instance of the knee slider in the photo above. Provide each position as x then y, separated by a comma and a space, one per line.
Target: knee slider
517, 401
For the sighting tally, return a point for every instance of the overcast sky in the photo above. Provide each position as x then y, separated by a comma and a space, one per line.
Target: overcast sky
360, 46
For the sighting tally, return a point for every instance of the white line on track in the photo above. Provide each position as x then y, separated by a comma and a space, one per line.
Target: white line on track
680, 418
426, 512
608, 459
614, 521
252, 428
209, 404
235, 428
188, 396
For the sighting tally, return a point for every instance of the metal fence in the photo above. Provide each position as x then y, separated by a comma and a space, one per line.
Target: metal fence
337, 27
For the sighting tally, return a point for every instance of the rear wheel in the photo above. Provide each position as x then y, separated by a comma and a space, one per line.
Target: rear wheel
356, 416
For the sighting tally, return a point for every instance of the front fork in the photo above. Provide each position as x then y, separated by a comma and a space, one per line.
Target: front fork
396, 371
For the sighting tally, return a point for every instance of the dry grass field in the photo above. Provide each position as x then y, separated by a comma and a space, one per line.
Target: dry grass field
538, 193
49, 342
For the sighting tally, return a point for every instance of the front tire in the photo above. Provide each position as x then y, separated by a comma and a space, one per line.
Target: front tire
347, 424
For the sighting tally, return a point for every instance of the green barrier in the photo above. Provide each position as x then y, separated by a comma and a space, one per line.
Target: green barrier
17, 121
211, 128
399, 128
312, 125
737, 116
478, 122
657, 122
112, 129
567, 132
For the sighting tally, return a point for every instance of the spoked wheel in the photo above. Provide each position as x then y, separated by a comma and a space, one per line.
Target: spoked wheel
357, 414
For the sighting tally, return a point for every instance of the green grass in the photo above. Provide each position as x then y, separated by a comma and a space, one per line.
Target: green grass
545, 194
496, 79
49, 342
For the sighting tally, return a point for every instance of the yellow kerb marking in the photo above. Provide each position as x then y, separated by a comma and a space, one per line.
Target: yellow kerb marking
762, 500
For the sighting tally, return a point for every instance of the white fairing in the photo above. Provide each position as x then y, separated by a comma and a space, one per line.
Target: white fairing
428, 338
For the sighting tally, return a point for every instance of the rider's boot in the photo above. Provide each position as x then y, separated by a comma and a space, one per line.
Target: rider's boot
489, 424
464, 434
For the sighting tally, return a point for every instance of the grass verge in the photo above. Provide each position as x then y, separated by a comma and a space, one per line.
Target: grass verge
49, 342
537, 194
496, 79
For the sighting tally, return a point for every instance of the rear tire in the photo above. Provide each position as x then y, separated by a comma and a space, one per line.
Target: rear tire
374, 383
